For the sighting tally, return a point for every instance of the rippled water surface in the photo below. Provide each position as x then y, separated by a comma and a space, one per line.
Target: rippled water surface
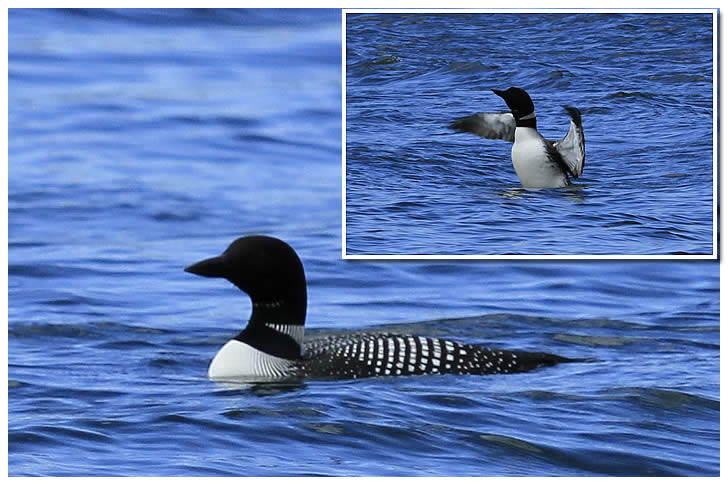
644, 84
143, 141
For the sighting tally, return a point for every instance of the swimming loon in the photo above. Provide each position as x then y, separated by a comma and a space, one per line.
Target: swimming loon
538, 162
272, 346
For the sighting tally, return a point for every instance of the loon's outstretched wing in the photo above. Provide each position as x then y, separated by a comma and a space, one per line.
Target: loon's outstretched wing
571, 147
496, 126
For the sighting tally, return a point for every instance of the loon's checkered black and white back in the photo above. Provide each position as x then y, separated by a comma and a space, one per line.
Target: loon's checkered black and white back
272, 344
387, 354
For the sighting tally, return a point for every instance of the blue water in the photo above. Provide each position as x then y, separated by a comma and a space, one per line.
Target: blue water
644, 84
143, 141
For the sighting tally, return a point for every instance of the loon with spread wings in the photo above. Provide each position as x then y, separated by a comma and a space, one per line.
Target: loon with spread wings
539, 163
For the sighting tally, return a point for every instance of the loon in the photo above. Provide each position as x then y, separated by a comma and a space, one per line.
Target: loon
539, 163
272, 346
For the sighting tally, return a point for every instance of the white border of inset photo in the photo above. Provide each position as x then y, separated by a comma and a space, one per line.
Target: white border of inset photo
713, 255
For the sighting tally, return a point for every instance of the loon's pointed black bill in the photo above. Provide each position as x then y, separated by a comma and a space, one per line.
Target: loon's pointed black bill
212, 268
500, 93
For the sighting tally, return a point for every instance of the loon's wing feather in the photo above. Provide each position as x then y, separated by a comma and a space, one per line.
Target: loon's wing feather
496, 126
556, 158
571, 147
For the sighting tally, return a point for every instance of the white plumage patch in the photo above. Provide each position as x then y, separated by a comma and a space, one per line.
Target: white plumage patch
531, 162
238, 359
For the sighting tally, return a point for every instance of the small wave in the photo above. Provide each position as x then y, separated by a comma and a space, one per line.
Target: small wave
384, 60
622, 223
84, 330
467, 67
62, 433
664, 398
514, 443
166, 216
635, 94
37, 271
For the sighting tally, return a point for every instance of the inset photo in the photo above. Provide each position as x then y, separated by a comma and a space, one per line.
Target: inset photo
541, 134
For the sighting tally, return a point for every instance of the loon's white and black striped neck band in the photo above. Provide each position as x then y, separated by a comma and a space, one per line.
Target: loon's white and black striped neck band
268, 305
271, 345
293, 331
285, 332
528, 116
528, 121
279, 340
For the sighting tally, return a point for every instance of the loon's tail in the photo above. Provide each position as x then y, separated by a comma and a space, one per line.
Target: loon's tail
527, 361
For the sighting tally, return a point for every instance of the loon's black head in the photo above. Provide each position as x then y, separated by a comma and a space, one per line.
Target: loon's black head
518, 101
270, 272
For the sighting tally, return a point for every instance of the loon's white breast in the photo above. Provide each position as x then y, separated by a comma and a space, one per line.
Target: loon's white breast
532, 163
238, 359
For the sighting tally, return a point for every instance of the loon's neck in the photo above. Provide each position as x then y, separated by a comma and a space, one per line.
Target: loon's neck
527, 121
276, 326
